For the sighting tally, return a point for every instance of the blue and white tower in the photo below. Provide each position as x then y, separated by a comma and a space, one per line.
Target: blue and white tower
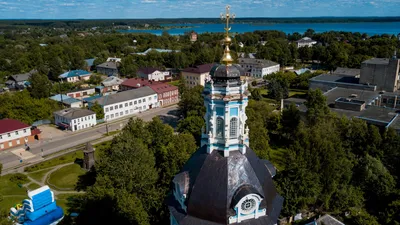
224, 182
226, 98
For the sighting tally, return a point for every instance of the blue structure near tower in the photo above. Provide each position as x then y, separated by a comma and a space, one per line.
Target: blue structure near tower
39, 209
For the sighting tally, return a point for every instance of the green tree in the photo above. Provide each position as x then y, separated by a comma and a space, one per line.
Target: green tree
98, 110
256, 94
40, 86
317, 108
192, 100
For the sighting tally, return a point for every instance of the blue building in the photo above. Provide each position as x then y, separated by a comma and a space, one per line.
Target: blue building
224, 182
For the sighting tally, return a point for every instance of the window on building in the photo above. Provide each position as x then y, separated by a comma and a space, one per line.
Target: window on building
135, 102
116, 107
233, 128
140, 101
126, 112
112, 116
106, 109
149, 98
1, 137
111, 108
130, 103
220, 127
16, 132
120, 106
126, 104
9, 143
107, 117
116, 114
155, 97
18, 142
8, 134
24, 130
1, 146
121, 113
144, 100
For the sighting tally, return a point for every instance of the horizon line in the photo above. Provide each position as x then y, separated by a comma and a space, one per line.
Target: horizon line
191, 18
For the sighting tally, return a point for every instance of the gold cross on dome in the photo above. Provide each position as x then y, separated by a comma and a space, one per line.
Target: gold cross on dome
227, 16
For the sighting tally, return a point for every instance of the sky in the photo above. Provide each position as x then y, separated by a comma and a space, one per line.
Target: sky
136, 9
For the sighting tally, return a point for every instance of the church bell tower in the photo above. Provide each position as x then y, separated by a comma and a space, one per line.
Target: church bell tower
224, 182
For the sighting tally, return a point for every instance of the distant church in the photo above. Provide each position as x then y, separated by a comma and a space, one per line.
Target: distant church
224, 182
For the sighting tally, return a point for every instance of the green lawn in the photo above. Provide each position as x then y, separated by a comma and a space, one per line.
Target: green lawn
70, 157
66, 177
11, 192
39, 175
9, 202
298, 93
33, 186
278, 157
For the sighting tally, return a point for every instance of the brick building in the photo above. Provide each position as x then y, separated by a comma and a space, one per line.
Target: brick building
167, 94
15, 133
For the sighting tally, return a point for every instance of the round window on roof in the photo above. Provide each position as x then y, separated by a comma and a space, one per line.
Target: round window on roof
248, 206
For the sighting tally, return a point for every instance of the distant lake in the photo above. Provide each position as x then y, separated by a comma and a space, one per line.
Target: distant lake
371, 28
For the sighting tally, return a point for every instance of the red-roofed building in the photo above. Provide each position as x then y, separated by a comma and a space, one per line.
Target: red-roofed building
14, 133
196, 75
134, 83
167, 94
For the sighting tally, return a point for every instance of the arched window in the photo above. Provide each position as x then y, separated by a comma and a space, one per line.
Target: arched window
220, 127
233, 128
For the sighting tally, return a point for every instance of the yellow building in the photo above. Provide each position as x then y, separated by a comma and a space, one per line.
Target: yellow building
196, 75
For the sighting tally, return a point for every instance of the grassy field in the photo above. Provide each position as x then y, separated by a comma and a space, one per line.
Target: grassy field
70, 157
175, 82
12, 192
278, 157
38, 175
33, 186
66, 177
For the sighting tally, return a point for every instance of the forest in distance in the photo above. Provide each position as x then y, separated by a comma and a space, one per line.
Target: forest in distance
86, 23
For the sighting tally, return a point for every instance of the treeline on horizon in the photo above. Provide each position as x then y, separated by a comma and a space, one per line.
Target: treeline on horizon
85, 23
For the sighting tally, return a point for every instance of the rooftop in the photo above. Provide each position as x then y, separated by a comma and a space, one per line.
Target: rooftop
89, 62
8, 125
69, 101
354, 94
110, 65
111, 81
124, 96
336, 78
58, 97
74, 73
260, 62
148, 70
161, 87
137, 82
199, 69
377, 61
378, 114
347, 71
74, 113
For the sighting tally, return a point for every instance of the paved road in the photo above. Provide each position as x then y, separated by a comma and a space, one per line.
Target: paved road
9, 159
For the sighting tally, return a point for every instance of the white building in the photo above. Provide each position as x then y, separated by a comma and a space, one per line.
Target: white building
75, 119
258, 68
14, 133
127, 103
305, 42
152, 74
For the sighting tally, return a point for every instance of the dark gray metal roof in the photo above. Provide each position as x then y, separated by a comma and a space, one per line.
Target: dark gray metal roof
336, 78
356, 94
74, 113
213, 182
381, 61
224, 71
260, 62
379, 114
124, 96
347, 71
109, 65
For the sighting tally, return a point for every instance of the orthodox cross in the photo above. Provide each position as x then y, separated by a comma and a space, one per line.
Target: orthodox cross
227, 16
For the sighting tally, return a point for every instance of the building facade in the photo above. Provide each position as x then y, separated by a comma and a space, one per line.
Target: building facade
196, 75
305, 42
75, 76
14, 133
152, 74
224, 182
167, 94
127, 103
75, 119
258, 68
108, 68
381, 72
82, 93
